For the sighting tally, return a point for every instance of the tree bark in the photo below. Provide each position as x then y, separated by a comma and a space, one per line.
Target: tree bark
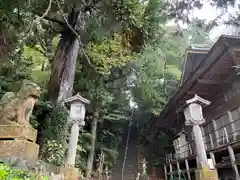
91, 153
61, 81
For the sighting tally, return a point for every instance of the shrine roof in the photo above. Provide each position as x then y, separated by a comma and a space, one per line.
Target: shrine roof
215, 69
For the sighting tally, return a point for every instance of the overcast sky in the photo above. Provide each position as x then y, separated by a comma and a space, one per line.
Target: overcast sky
210, 13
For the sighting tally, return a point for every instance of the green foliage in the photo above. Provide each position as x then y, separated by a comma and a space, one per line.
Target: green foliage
12, 71
130, 13
152, 71
54, 152
112, 32
8, 173
40, 62
52, 132
109, 54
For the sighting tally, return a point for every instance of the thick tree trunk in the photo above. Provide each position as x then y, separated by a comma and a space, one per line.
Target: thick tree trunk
92, 150
64, 64
67, 81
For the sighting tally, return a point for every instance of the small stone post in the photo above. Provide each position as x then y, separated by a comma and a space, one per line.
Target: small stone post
194, 117
100, 165
76, 119
144, 175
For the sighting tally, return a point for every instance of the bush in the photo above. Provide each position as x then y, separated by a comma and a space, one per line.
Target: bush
8, 173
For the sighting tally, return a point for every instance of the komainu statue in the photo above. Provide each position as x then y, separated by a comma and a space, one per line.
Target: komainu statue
16, 108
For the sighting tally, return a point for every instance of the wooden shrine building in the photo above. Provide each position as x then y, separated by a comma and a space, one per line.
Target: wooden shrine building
211, 74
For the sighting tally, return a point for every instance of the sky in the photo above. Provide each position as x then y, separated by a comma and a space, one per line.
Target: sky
209, 13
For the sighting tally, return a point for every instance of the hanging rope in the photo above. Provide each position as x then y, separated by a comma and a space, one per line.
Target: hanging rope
126, 148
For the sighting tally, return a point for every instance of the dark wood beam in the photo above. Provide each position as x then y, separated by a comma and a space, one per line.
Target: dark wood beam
208, 81
198, 93
234, 53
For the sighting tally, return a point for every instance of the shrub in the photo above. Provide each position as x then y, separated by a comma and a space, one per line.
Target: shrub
8, 173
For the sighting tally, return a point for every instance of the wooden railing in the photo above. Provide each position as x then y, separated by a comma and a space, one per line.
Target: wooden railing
218, 137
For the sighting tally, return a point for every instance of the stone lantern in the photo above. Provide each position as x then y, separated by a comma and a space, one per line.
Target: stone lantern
76, 119
194, 117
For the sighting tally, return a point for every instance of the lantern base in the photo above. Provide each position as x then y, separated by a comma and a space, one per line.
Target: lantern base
69, 173
206, 174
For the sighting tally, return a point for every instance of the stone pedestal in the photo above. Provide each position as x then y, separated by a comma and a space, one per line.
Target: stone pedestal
206, 174
18, 141
70, 173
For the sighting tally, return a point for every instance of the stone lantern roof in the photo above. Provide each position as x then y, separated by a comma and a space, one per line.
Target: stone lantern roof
76, 98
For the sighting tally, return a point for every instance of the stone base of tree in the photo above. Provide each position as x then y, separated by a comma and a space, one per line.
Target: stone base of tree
18, 141
69, 173
206, 174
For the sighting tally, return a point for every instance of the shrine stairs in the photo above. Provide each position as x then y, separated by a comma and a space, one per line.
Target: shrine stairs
131, 162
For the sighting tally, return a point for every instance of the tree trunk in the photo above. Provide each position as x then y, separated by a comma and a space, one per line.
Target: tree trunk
61, 81
91, 153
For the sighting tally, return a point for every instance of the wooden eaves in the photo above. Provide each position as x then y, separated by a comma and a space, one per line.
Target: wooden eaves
210, 74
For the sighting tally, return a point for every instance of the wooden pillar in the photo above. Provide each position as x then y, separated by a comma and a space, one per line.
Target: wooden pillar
197, 162
165, 172
213, 159
232, 157
190, 148
215, 131
179, 170
226, 134
234, 134
211, 140
170, 167
187, 168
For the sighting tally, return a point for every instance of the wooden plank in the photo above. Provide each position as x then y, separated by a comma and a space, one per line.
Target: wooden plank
233, 53
225, 106
208, 81
198, 93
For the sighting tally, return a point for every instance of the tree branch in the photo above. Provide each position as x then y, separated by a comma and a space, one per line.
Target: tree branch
40, 18
46, 12
50, 18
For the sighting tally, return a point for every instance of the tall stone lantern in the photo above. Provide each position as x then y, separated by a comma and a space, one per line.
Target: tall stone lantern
194, 118
76, 119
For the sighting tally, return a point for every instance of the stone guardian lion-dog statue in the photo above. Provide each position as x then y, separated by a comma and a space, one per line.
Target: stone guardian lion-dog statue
16, 108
